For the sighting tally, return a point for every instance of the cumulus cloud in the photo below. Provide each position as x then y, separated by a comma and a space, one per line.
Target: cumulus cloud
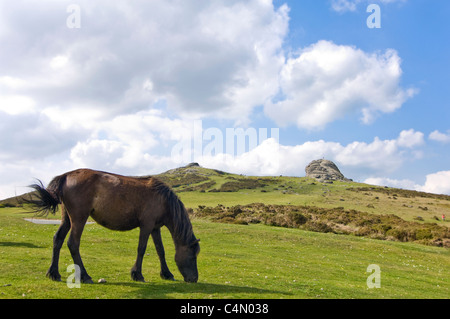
33, 135
327, 81
439, 137
130, 142
216, 58
207, 58
397, 183
356, 159
142, 145
410, 138
437, 183
91, 96
118, 92
51, 142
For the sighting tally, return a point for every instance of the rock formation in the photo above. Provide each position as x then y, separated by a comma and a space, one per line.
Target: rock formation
324, 171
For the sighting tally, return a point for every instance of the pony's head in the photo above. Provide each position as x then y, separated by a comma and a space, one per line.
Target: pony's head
186, 260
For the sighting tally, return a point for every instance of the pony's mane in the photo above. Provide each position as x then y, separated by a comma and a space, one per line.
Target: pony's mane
182, 227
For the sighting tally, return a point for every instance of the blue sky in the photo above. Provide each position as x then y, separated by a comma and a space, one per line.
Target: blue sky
125, 87
417, 30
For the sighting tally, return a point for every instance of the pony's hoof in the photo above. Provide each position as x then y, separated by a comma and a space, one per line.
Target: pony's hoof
137, 276
167, 277
141, 279
87, 280
54, 277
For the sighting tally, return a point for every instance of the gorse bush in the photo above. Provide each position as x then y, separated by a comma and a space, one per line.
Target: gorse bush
330, 220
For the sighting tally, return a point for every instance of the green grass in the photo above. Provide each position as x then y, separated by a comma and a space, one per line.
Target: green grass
241, 261
236, 261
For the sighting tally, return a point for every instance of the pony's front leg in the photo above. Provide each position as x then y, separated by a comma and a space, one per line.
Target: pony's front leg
58, 240
165, 272
136, 271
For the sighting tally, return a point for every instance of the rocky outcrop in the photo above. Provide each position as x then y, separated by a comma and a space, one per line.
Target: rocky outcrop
324, 171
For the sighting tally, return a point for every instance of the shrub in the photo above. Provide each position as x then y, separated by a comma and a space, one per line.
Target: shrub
398, 234
335, 220
363, 231
298, 218
423, 233
318, 227
382, 228
8, 205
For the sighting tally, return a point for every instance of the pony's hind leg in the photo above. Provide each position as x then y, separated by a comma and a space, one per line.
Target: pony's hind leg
74, 246
165, 272
58, 240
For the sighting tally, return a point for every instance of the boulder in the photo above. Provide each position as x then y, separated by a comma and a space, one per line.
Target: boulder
324, 171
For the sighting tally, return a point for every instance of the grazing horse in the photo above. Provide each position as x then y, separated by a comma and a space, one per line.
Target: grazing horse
118, 203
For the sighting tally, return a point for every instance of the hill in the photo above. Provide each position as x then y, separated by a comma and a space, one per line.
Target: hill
342, 207
339, 206
209, 187
242, 254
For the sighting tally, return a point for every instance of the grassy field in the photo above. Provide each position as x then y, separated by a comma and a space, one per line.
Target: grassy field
236, 261
243, 261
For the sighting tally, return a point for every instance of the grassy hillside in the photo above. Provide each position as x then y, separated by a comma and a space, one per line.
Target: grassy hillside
209, 187
330, 234
339, 207
201, 186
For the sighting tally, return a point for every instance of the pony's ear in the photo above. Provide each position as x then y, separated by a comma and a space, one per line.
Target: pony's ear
195, 242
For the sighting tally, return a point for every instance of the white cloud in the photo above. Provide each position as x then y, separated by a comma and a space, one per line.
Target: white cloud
437, 183
30, 136
216, 58
209, 58
139, 144
356, 159
93, 96
128, 142
96, 153
59, 61
16, 104
329, 81
384, 181
351, 5
344, 5
410, 138
133, 148
440, 137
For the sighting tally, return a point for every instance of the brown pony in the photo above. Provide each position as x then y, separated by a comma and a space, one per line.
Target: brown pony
118, 203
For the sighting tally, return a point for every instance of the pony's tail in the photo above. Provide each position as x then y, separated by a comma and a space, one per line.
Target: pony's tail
46, 200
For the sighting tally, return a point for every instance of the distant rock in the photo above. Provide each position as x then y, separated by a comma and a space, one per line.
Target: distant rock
324, 171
